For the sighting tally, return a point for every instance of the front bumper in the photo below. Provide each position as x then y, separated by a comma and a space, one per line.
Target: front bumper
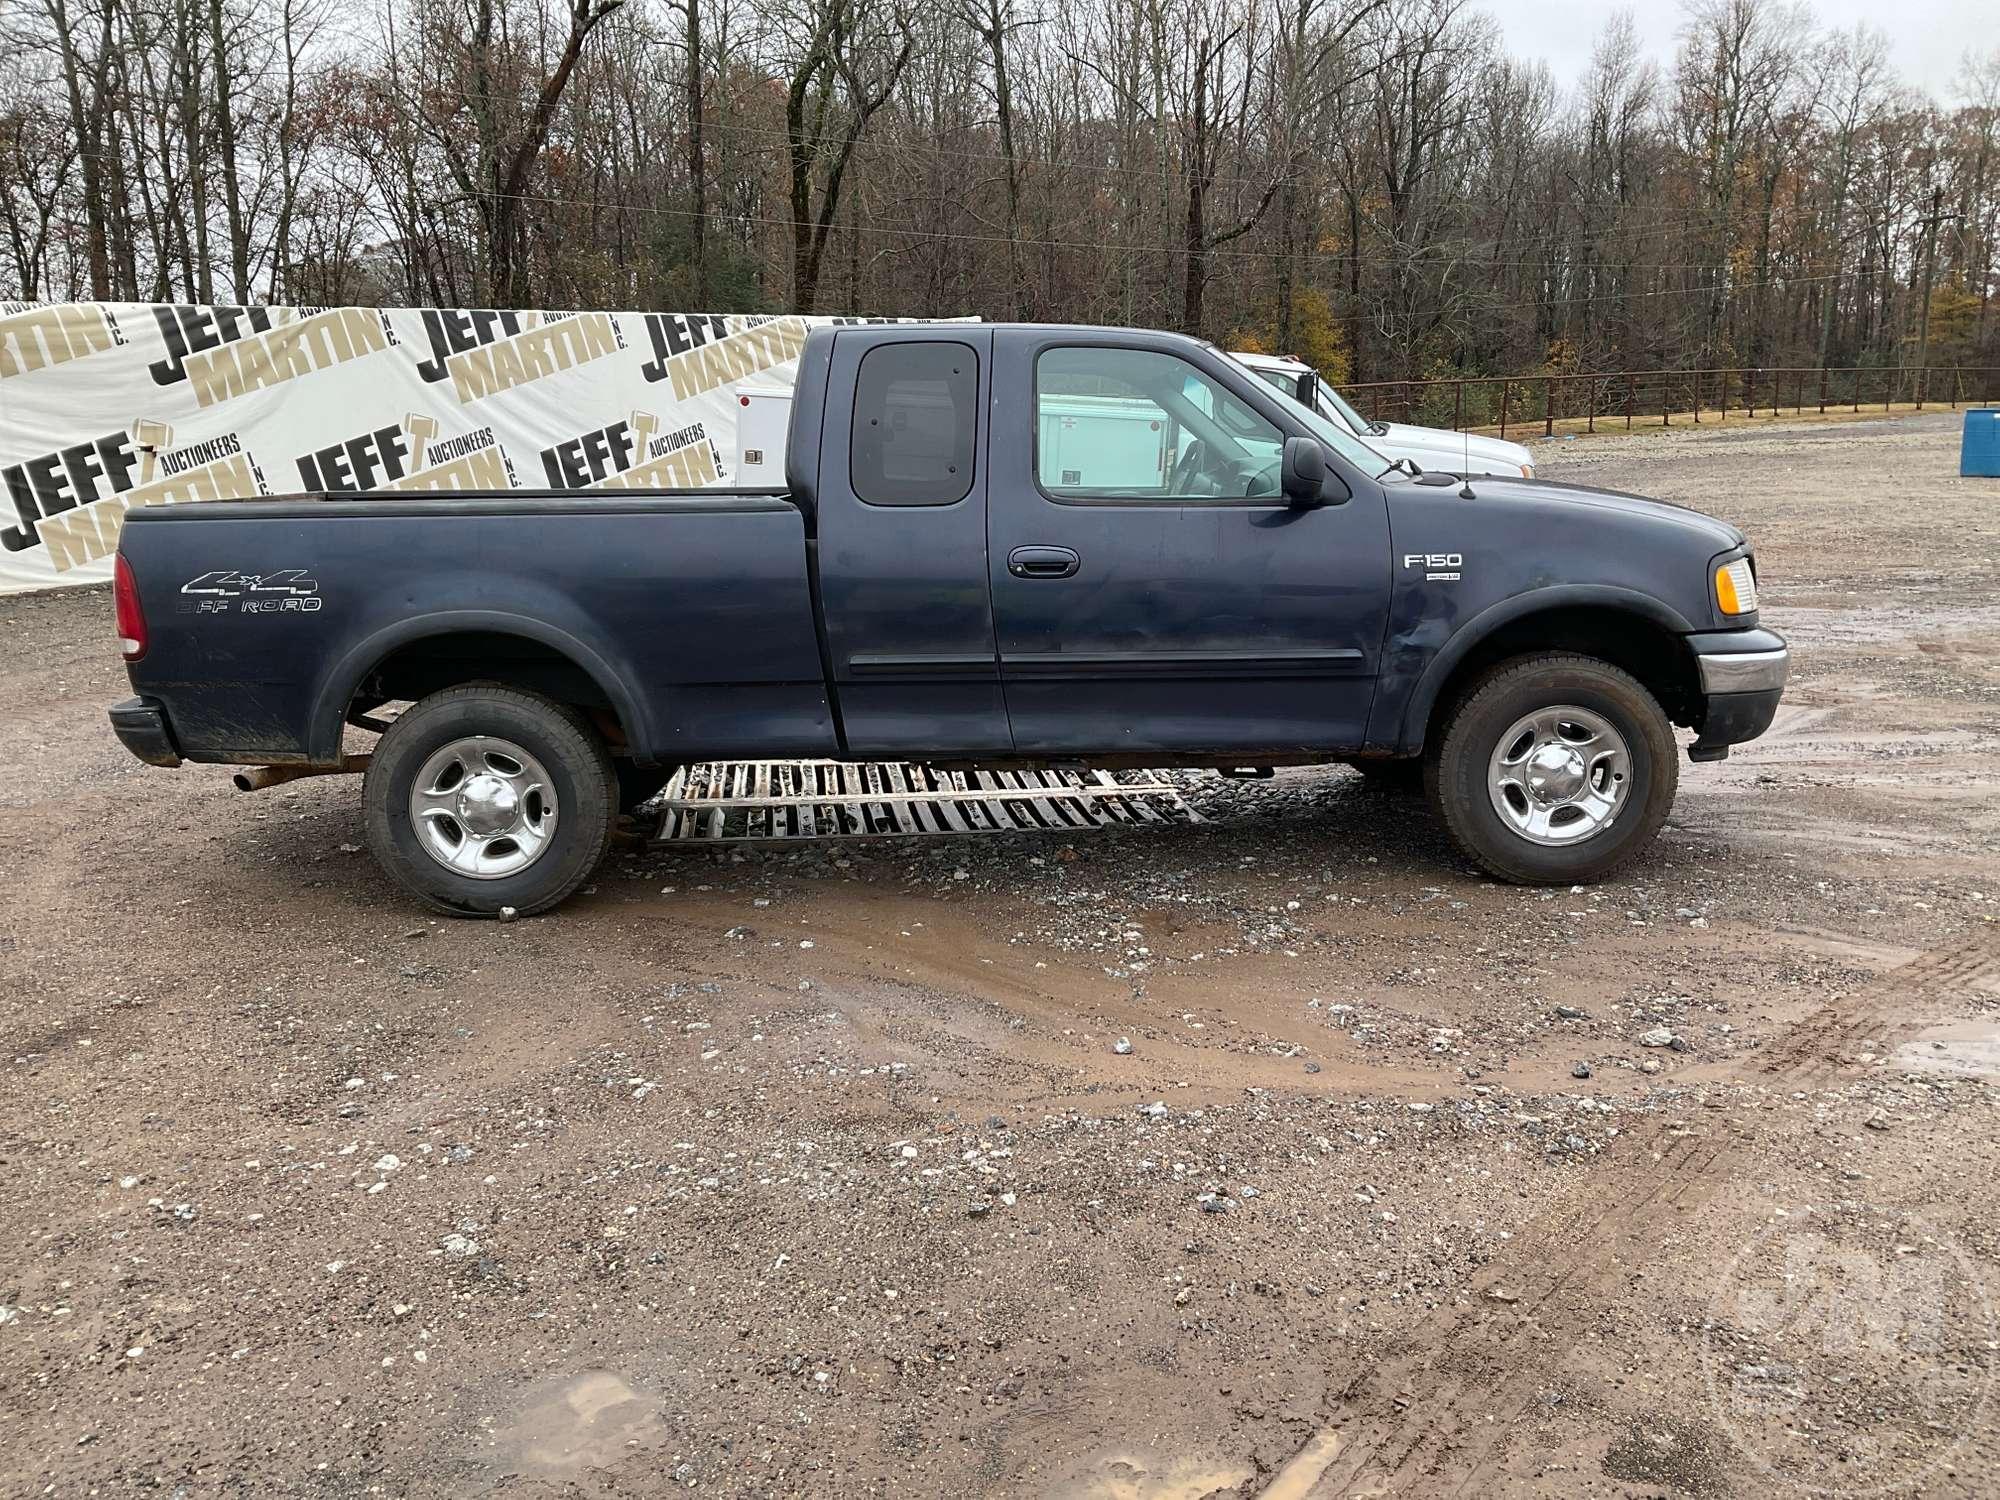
1743, 675
141, 726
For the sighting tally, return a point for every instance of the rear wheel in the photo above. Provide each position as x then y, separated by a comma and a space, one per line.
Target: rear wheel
1553, 768
484, 797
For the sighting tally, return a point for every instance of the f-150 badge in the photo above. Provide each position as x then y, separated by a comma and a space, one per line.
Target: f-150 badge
1440, 567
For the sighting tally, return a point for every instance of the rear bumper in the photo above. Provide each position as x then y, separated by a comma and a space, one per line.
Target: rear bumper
141, 726
1743, 675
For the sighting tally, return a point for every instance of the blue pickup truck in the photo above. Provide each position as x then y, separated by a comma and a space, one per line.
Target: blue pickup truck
943, 580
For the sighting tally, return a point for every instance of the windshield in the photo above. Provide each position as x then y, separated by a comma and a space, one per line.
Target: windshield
1345, 409
1331, 433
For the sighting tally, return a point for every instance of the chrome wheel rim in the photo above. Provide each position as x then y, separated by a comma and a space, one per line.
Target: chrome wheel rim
1559, 775
483, 807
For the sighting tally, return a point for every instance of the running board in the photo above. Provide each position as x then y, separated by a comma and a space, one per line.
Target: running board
763, 800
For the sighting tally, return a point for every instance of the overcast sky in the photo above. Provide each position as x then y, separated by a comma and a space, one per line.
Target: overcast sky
1927, 37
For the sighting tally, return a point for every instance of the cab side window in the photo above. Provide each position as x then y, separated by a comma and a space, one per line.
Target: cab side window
916, 419
1134, 425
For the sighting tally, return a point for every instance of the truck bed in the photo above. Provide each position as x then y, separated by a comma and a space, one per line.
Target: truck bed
689, 609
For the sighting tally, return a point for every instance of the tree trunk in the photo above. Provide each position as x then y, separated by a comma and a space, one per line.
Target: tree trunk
225, 140
696, 165
84, 130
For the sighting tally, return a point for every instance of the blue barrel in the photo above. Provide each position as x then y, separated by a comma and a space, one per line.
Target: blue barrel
1979, 449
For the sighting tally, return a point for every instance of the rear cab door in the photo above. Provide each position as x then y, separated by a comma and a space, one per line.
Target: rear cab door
901, 552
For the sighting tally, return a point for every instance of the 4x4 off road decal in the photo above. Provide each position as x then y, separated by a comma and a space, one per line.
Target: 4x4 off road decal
282, 591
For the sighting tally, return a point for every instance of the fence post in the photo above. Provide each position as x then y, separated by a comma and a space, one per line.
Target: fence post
1822, 390
1666, 399
1590, 405
1694, 376
1857, 390
1548, 406
1458, 406
1503, 406
1630, 390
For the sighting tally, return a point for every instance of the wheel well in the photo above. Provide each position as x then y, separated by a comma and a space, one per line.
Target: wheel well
1657, 657
419, 668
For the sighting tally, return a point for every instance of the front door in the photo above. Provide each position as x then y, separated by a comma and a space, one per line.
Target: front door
1152, 589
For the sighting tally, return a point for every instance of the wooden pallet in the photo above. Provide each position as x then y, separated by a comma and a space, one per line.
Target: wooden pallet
759, 800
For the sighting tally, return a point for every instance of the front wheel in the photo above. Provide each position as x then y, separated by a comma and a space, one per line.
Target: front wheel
484, 797
1553, 768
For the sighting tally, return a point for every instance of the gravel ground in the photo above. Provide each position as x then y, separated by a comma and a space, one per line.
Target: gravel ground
1276, 1154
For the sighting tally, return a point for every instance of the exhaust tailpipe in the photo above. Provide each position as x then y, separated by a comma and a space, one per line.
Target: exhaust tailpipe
257, 778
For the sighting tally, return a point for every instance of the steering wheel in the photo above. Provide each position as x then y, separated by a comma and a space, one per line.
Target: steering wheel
1194, 461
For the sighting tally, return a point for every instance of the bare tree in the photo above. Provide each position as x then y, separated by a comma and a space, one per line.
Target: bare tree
840, 75
1378, 182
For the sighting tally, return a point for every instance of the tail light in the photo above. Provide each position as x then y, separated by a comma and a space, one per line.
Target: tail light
132, 637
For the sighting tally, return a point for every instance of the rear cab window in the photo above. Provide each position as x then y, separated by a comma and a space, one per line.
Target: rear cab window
916, 422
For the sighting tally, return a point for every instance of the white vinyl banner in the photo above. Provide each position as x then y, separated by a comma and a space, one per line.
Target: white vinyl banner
104, 406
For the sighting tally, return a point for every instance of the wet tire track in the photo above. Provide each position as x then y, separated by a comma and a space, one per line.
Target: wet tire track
1495, 1347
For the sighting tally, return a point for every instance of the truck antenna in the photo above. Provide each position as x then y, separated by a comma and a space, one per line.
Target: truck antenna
1465, 490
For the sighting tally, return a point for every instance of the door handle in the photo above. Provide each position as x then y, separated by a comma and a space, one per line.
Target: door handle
1043, 562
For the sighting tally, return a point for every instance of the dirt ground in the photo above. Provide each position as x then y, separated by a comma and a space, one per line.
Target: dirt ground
819, 1171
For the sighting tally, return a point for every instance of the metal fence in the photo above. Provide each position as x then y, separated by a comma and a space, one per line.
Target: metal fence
1525, 402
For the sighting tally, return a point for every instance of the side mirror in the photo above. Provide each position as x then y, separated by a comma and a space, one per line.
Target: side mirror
1303, 471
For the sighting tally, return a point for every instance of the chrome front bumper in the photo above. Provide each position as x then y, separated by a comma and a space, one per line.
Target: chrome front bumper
1743, 675
1745, 671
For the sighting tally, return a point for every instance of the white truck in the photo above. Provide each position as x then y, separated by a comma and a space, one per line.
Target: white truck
1426, 447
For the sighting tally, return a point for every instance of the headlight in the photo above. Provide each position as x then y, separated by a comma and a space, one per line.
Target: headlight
1527, 471
1736, 588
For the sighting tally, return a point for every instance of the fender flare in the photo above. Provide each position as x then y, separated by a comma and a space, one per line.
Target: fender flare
1423, 697
337, 688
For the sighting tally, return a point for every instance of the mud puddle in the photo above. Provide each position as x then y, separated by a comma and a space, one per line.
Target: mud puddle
1966, 1049
576, 1422
1136, 1474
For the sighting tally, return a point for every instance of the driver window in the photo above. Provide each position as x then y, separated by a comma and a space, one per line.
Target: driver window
1129, 424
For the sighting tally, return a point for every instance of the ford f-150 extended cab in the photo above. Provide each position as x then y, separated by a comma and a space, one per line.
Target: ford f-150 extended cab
946, 578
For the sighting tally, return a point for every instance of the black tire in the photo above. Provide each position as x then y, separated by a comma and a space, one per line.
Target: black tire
579, 770
1455, 773
1396, 777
